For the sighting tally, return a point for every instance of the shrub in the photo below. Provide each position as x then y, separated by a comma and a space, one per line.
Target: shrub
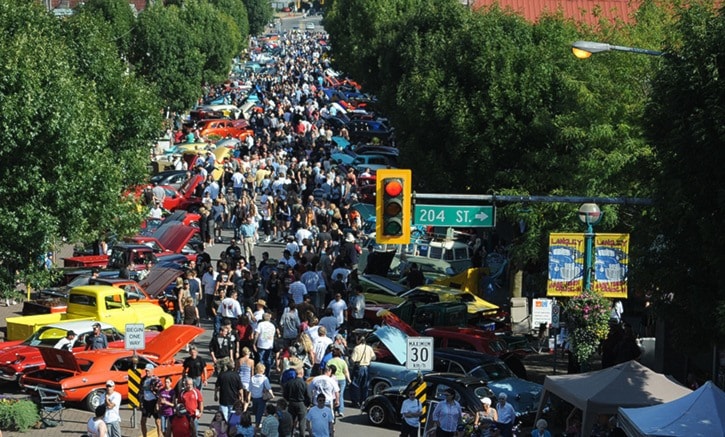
18, 414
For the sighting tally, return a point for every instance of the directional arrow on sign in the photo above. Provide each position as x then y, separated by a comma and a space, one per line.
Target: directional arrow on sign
481, 216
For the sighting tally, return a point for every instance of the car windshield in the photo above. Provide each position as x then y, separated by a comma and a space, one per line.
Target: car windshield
46, 336
494, 371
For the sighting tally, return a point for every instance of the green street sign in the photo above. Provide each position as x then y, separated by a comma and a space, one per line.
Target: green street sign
465, 216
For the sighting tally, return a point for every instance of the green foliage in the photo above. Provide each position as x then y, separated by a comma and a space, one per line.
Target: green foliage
238, 11
259, 13
18, 415
215, 35
118, 17
164, 53
684, 122
67, 108
587, 317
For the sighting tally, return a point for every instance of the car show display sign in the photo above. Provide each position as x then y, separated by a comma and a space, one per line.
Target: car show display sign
419, 353
611, 262
135, 337
541, 312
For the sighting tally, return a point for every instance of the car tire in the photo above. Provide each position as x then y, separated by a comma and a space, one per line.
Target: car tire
377, 414
379, 387
93, 400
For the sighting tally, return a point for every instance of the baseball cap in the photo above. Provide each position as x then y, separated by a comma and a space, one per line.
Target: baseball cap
71, 332
110, 383
149, 366
96, 325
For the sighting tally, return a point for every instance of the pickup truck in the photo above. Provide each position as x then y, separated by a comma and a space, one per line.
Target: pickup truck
98, 302
121, 255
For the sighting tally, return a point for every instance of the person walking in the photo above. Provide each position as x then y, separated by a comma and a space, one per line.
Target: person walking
411, 410
264, 336
221, 348
342, 375
228, 389
447, 414
295, 393
112, 400
245, 366
506, 415
247, 231
167, 402
320, 420
193, 402
327, 385
149, 407
484, 419
261, 391
194, 367
362, 355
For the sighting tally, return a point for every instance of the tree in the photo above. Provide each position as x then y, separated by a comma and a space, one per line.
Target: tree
260, 14
118, 16
684, 122
238, 11
216, 37
64, 174
165, 54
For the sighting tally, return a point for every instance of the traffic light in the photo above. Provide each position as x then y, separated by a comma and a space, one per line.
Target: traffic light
392, 206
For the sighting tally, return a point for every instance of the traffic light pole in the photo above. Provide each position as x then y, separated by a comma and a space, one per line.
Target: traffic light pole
535, 199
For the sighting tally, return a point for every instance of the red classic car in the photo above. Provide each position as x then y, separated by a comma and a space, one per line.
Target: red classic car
19, 357
81, 378
222, 128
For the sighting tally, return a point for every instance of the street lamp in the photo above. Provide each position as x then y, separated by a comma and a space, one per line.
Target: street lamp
584, 49
590, 215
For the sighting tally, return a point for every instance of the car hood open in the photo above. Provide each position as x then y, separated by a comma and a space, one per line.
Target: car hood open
158, 279
60, 359
170, 341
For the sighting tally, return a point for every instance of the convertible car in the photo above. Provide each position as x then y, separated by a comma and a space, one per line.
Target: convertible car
81, 378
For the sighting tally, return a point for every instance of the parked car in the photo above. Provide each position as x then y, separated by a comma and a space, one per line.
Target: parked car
364, 131
384, 409
372, 162
474, 339
381, 290
172, 178
81, 377
222, 128
523, 395
19, 357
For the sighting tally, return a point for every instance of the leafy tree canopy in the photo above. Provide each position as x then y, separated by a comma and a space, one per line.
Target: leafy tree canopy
118, 17
61, 137
684, 121
260, 14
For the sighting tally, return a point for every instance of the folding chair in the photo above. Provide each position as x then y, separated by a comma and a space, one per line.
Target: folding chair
51, 406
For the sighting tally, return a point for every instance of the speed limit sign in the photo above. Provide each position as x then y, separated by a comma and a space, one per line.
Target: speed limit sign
419, 353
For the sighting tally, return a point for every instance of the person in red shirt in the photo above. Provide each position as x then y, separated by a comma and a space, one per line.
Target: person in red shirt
180, 423
193, 402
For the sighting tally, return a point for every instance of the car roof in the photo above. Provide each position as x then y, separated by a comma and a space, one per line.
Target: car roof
77, 325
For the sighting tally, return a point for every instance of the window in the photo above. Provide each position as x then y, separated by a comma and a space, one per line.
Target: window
435, 252
81, 299
461, 253
113, 302
458, 344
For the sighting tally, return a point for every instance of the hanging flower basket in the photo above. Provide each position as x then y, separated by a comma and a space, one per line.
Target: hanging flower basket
587, 317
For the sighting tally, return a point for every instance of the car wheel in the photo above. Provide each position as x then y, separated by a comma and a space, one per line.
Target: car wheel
379, 386
94, 400
377, 415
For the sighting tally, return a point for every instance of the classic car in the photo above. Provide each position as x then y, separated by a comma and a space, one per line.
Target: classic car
222, 128
523, 395
172, 178
383, 409
172, 237
19, 357
82, 377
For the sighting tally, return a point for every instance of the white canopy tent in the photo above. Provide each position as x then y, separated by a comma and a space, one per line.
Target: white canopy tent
628, 384
700, 413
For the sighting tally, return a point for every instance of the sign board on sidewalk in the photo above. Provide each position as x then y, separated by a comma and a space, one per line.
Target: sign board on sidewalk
419, 353
467, 216
541, 312
135, 337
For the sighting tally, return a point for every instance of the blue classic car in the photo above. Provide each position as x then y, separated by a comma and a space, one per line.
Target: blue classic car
389, 369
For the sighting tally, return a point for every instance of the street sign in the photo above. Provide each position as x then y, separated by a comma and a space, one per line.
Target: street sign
541, 312
135, 337
419, 353
467, 216
134, 387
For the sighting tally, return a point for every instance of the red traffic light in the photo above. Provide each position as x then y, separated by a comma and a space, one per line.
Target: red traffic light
393, 188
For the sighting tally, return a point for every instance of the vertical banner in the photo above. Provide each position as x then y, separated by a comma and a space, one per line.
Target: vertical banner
611, 262
566, 265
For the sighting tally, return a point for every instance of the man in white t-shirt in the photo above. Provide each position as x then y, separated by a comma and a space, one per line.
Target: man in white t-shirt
112, 399
339, 309
297, 290
319, 347
264, 335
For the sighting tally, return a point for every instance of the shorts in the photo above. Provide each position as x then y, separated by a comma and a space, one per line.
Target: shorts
148, 408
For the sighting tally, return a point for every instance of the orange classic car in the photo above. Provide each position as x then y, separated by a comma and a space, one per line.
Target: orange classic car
81, 377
